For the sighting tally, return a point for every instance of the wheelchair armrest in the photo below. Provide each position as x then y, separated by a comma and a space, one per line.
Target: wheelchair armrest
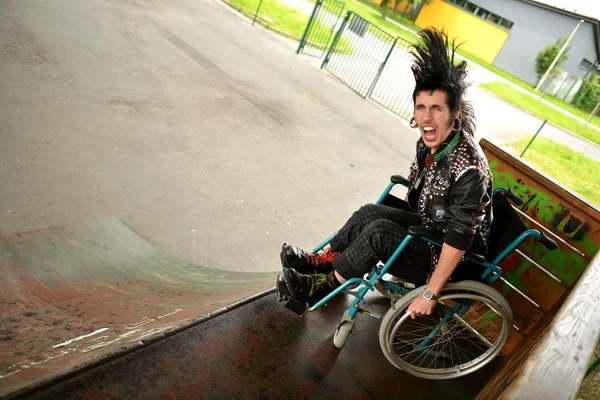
421, 231
399, 179
435, 237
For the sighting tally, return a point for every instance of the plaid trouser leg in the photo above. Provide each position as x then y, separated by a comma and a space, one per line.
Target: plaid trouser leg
377, 241
364, 216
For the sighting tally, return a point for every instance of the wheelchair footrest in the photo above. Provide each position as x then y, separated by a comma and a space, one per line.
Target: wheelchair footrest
292, 304
284, 297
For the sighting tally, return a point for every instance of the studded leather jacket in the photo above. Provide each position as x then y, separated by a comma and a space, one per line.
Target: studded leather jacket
453, 192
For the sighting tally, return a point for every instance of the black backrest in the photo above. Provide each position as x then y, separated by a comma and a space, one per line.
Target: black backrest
506, 226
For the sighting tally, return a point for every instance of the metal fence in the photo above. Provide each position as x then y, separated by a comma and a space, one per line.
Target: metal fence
373, 63
358, 53
396, 83
320, 28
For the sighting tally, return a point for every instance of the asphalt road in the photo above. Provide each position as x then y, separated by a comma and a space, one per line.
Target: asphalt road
210, 138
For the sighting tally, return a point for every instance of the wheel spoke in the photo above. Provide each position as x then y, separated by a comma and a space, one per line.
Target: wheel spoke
464, 332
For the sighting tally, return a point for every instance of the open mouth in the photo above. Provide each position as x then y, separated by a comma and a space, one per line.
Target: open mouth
429, 133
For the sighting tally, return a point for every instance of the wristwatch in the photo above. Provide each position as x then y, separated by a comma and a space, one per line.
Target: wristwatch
429, 295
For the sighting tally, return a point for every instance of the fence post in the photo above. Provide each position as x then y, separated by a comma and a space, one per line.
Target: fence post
336, 39
533, 138
381, 67
309, 25
256, 13
594, 111
592, 367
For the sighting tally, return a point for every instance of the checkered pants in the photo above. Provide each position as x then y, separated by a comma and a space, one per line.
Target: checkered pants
371, 235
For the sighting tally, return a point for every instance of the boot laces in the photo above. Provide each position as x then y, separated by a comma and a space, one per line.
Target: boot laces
316, 282
326, 256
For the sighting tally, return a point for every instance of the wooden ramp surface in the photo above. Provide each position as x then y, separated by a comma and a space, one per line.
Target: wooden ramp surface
263, 351
73, 295
94, 311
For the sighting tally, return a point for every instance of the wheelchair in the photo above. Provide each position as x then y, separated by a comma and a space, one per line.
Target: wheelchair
471, 321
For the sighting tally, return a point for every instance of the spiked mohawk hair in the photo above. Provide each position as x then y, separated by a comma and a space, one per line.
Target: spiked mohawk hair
434, 69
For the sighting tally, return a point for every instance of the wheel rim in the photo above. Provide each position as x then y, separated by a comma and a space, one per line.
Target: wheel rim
463, 343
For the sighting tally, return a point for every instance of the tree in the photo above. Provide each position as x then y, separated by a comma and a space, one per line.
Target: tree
412, 4
587, 96
547, 55
386, 4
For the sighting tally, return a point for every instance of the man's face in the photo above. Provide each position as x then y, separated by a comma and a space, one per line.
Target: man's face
433, 117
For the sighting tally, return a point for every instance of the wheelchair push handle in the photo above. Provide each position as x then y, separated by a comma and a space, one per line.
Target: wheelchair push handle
509, 194
515, 198
546, 241
400, 180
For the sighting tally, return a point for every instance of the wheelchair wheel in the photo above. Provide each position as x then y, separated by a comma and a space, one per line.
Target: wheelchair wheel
343, 331
470, 324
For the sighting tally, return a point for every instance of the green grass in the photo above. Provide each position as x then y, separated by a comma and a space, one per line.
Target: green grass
573, 110
275, 14
372, 13
569, 167
285, 19
542, 110
590, 387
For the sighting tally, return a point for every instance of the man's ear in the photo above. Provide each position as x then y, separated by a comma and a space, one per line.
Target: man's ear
457, 114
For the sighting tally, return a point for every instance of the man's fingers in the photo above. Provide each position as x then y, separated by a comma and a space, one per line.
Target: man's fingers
413, 314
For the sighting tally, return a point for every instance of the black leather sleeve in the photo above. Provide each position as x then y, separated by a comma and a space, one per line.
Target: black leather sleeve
414, 171
468, 198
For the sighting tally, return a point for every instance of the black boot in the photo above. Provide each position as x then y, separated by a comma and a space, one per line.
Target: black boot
307, 263
285, 297
309, 288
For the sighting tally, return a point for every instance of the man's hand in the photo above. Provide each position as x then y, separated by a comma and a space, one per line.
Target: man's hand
421, 306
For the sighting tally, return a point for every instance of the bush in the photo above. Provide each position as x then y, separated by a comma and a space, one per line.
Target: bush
545, 57
586, 97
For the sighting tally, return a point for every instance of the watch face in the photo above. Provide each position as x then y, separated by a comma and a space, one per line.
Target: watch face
428, 295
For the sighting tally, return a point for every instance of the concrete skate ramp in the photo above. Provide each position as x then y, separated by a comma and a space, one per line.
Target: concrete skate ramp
76, 295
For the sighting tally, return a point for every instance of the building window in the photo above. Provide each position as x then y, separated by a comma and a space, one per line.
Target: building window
481, 13
494, 19
470, 7
506, 23
585, 64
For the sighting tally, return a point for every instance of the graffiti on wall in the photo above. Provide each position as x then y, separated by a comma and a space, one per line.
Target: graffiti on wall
558, 217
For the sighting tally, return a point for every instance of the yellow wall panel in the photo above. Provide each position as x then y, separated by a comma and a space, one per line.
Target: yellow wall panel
482, 38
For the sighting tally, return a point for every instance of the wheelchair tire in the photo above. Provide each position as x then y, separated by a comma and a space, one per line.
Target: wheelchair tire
465, 342
343, 331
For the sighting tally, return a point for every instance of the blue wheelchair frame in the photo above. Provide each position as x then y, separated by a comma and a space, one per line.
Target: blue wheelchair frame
491, 274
